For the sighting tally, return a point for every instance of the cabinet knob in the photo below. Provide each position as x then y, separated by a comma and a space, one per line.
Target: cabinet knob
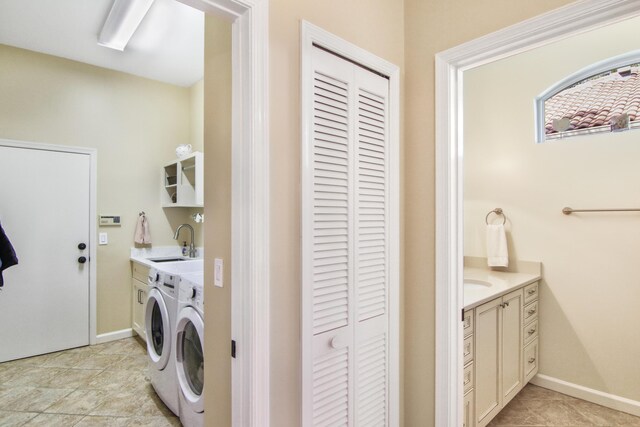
533, 359
531, 331
531, 311
531, 291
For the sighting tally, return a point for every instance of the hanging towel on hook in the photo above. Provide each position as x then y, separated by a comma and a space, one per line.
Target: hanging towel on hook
7, 254
497, 249
142, 235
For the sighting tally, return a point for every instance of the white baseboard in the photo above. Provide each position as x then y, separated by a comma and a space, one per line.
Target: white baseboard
594, 396
115, 335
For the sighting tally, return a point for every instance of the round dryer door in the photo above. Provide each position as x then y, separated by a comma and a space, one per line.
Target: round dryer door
190, 357
156, 322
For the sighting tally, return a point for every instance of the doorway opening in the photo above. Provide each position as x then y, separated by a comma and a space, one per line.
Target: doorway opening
450, 66
248, 321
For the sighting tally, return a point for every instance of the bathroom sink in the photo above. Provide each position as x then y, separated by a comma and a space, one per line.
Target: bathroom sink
168, 259
475, 285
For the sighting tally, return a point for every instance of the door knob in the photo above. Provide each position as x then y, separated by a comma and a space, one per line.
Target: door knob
337, 342
82, 260
82, 246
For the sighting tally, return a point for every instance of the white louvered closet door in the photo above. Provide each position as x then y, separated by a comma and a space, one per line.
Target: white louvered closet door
346, 247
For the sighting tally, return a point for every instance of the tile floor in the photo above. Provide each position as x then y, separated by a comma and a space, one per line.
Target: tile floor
537, 406
101, 385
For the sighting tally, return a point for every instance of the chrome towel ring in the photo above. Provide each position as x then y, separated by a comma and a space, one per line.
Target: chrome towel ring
497, 211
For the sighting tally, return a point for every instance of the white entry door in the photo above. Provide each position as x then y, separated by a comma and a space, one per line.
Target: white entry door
44, 209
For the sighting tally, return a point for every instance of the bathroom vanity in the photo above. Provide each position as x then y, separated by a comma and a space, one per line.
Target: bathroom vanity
500, 348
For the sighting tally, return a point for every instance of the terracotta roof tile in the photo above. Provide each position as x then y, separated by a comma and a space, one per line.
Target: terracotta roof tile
595, 102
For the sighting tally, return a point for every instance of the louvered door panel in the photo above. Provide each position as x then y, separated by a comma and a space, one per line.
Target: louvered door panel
372, 205
330, 232
331, 389
371, 381
372, 250
331, 204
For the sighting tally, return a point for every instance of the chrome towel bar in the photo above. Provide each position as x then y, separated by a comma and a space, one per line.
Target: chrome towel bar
569, 211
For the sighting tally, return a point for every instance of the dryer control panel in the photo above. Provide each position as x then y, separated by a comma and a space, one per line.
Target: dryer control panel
191, 294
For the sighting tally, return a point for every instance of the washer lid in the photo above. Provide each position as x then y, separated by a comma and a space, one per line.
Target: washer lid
157, 327
190, 357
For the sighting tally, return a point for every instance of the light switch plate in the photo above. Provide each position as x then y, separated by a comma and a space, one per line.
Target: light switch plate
103, 238
218, 272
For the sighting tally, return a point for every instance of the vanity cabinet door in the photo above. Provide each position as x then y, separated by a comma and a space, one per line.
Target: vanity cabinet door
512, 341
488, 387
139, 302
468, 411
498, 354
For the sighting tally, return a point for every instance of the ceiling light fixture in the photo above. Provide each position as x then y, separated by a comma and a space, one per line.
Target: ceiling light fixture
123, 20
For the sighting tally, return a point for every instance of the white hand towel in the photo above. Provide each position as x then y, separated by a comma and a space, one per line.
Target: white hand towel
497, 250
142, 235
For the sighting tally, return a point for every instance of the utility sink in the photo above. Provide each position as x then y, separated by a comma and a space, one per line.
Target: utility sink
178, 265
475, 285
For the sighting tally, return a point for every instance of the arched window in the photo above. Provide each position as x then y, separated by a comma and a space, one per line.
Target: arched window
604, 97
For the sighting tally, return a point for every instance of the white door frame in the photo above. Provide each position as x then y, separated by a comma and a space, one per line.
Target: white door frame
575, 18
312, 35
249, 205
93, 190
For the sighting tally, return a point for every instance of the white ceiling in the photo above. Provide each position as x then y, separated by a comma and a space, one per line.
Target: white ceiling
168, 46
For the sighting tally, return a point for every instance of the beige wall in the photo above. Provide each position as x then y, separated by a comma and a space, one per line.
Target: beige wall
432, 26
134, 123
590, 291
196, 116
375, 25
217, 195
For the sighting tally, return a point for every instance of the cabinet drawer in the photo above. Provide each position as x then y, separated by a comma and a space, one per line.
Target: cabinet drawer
467, 323
140, 272
467, 350
530, 332
530, 293
530, 360
530, 312
467, 377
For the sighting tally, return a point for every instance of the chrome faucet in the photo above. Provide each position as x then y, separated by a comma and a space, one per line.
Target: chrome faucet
192, 248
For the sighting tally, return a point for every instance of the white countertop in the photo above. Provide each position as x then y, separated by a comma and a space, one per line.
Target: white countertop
191, 265
501, 283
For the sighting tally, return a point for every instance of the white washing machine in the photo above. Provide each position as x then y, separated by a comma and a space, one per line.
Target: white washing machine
190, 349
160, 322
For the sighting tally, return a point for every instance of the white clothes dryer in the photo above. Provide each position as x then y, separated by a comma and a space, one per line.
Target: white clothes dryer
160, 322
190, 350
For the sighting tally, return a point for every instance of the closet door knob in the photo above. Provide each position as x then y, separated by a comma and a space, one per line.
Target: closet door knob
82, 246
82, 260
337, 342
